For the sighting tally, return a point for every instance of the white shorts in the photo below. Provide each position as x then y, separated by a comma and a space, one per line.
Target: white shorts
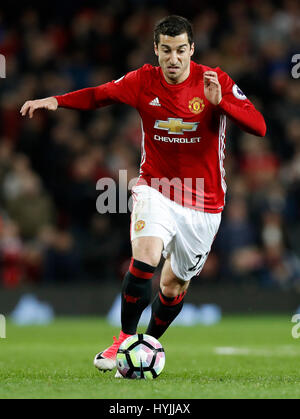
187, 234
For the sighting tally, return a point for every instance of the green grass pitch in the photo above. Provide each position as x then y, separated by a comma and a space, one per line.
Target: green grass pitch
241, 357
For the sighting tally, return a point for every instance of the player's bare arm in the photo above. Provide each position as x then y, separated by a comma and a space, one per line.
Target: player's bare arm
212, 87
30, 106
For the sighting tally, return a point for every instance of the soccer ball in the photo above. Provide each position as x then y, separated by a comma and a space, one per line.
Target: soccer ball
140, 356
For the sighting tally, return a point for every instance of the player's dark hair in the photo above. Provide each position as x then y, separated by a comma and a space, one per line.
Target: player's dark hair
172, 26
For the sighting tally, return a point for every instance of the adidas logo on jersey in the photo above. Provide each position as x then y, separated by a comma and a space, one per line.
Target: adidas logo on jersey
155, 102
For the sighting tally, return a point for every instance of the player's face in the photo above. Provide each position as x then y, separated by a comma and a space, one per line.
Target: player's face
174, 56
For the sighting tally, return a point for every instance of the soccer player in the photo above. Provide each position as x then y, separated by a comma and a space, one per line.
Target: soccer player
180, 193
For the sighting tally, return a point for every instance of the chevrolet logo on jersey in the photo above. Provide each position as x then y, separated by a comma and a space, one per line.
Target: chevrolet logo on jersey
176, 125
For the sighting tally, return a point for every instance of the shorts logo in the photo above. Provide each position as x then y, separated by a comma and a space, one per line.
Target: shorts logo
139, 225
176, 125
196, 105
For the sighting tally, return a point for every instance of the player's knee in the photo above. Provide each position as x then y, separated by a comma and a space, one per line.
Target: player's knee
147, 250
169, 292
148, 255
150, 259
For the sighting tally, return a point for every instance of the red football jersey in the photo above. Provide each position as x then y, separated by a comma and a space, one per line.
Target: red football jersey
183, 134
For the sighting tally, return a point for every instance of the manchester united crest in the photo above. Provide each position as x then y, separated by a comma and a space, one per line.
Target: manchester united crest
139, 225
196, 105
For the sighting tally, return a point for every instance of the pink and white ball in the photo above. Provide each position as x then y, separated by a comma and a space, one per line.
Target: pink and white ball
141, 357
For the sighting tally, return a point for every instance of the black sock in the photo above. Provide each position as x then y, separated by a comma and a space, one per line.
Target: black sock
164, 311
136, 294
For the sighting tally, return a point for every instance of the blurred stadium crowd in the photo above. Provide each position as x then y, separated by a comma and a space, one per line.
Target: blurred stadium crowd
49, 165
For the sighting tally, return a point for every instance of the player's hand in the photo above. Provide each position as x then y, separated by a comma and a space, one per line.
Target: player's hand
212, 87
30, 106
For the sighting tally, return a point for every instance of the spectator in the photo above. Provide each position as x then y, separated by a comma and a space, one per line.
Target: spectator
31, 208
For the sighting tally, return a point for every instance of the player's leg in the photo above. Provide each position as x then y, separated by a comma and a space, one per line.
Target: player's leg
168, 302
136, 294
137, 286
151, 231
195, 232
